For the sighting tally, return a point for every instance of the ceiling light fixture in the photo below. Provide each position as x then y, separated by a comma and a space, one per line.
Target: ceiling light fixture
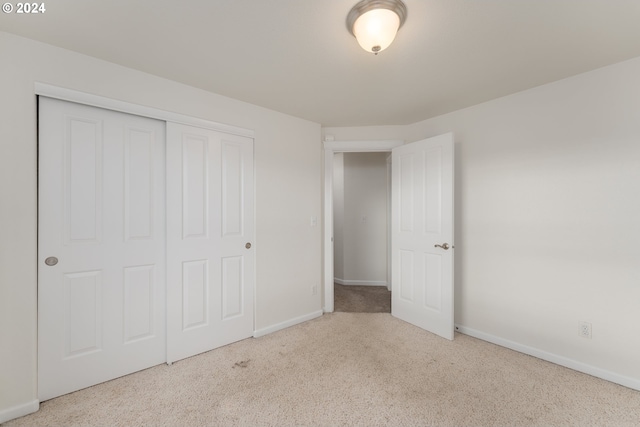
374, 23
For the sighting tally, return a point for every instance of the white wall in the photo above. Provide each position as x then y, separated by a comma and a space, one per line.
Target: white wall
366, 133
288, 248
547, 218
338, 215
364, 233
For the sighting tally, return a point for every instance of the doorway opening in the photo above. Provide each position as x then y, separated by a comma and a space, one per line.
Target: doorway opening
331, 149
361, 216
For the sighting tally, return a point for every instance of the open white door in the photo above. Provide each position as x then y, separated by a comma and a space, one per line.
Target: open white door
210, 267
422, 234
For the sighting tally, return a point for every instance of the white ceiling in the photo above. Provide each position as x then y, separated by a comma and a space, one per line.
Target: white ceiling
297, 57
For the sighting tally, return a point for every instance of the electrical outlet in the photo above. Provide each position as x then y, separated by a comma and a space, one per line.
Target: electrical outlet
584, 329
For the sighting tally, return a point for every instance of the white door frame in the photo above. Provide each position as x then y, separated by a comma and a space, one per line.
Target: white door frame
138, 110
330, 148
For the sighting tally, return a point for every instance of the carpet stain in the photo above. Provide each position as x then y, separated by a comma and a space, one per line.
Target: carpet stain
242, 364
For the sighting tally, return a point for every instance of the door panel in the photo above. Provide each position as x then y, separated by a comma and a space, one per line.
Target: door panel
210, 273
138, 185
139, 284
82, 313
82, 168
195, 279
232, 286
196, 157
422, 217
101, 308
232, 191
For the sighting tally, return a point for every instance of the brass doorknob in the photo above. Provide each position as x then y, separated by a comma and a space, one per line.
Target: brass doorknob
248, 245
444, 246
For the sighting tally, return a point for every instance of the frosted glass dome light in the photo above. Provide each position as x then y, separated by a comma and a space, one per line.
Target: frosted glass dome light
375, 23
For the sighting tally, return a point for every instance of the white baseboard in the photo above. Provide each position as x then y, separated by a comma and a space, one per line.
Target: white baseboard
633, 383
359, 282
19, 411
288, 323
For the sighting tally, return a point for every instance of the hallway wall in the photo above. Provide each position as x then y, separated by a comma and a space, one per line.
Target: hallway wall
360, 219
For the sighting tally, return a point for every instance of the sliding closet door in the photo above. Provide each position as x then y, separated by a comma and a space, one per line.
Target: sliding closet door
210, 270
101, 246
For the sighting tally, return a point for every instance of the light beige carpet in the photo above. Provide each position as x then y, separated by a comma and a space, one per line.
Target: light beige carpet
348, 369
361, 299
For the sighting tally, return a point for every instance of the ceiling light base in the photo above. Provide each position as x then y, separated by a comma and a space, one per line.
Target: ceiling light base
385, 31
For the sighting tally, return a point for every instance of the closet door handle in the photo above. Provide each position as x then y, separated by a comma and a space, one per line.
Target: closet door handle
51, 261
248, 245
444, 246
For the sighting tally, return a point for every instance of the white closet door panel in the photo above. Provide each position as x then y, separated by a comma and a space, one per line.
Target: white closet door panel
101, 308
209, 222
237, 240
195, 294
139, 302
138, 185
82, 169
197, 157
82, 313
232, 287
232, 177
